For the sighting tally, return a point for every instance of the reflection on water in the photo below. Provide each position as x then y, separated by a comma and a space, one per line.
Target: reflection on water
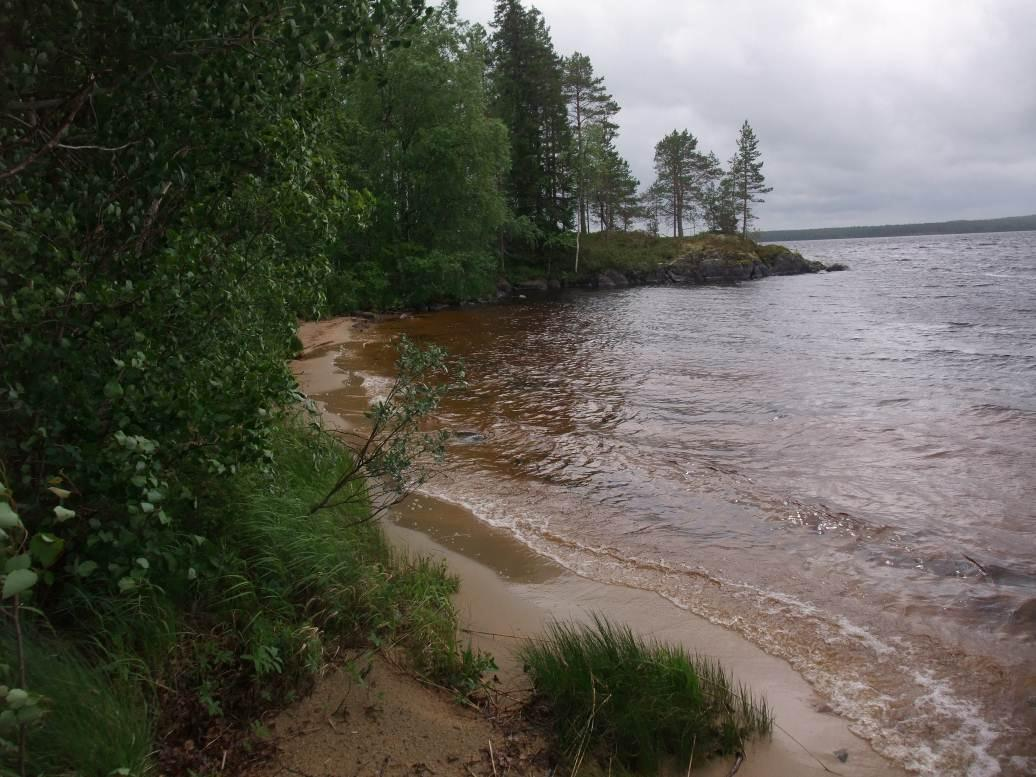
839, 466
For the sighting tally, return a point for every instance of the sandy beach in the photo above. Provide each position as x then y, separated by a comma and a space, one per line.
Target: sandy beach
508, 592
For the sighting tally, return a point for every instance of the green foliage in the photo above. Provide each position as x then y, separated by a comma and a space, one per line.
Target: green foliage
600, 175
676, 157
609, 691
395, 454
282, 590
21, 705
153, 262
419, 138
632, 251
292, 581
173, 193
94, 725
408, 275
526, 85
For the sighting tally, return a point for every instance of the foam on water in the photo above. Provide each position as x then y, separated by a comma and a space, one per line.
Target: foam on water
966, 736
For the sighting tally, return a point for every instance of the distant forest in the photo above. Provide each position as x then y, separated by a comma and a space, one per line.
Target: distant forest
959, 227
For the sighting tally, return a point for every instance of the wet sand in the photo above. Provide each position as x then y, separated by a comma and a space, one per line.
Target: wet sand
507, 591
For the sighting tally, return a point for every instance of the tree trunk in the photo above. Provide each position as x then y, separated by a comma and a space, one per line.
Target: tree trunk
577, 251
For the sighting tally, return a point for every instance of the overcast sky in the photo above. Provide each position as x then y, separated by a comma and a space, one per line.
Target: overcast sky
867, 111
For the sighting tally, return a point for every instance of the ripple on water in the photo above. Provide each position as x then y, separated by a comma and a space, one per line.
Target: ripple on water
847, 479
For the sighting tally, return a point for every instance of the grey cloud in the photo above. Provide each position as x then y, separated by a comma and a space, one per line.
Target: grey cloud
868, 111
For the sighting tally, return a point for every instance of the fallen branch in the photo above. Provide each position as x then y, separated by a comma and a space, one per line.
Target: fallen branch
981, 568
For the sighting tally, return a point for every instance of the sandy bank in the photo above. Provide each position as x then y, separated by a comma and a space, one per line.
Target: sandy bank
507, 591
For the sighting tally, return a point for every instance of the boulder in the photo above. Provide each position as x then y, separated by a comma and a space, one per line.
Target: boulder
611, 279
680, 273
503, 289
724, 269
837, 267
791, 263
554, 284
535, 285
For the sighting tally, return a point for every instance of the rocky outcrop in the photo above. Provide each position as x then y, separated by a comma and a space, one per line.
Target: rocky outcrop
714, 265
535, 285
704, 259
782, 261
611, 279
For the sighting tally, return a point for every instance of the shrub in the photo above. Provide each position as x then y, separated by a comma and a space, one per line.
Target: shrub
641, 702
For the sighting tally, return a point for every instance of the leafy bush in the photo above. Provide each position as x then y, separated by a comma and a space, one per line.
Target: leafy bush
608, 689
154, 262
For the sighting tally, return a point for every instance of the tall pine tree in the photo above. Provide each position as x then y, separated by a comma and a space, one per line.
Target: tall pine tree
526, 85
746, 172
676, 162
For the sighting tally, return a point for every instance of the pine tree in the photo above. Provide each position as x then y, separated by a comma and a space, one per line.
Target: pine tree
716, 193
526, 79
746, 172
652, 205
611, 186
676, 160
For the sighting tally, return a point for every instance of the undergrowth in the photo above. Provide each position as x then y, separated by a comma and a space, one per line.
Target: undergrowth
611, 693
282, 593
95, 724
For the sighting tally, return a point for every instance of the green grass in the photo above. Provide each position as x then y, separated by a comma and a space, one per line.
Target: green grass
94, 723
279, 594
609, 692
326, 576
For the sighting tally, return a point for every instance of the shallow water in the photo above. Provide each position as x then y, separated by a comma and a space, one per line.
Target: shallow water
839, 466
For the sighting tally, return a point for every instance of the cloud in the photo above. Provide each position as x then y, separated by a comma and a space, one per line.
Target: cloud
868, 111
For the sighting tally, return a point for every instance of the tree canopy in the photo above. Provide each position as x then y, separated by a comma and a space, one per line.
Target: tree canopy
180, 182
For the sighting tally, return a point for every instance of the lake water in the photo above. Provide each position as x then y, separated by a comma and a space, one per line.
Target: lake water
842, 467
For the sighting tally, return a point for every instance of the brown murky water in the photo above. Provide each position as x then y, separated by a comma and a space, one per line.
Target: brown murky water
838, 467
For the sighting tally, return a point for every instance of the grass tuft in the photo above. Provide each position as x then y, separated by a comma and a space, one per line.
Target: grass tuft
94, 724
327, 573
641, 703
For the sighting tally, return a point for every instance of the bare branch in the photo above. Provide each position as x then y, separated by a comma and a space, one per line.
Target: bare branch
77, 103
98, 148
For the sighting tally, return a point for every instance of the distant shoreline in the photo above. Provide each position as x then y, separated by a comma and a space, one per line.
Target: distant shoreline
958, 227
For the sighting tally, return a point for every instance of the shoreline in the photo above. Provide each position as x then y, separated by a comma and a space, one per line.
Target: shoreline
508, 590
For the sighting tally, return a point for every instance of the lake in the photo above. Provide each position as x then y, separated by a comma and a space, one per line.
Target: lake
841, 467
